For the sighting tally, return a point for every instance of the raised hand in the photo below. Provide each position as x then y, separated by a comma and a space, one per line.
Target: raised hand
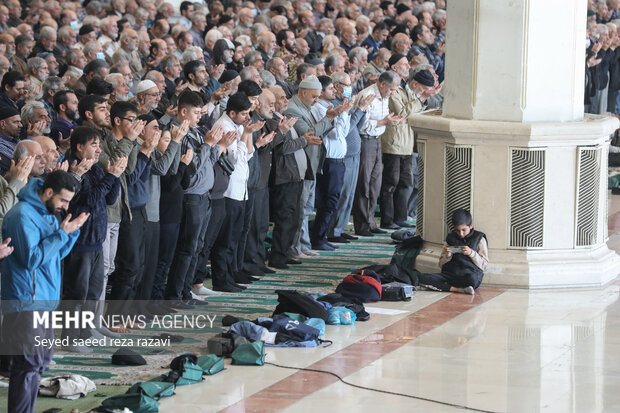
249, 127
228, 139
366, 101
264, 139
285, 124
5, 250
213, 136
83, 167
35, 128
23, 168
64, 144
187, 157
311, 139
345, 106
179, 132
74, 225
136, 129
118, 168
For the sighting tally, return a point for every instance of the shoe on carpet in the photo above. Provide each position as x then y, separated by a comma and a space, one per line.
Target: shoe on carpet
301, 256
228, 288
365, 234
333, 246
348, 236
377, 231
390, 226
310, 253
339, 239
278, 265
180, 305
324, 246
267, 270
403, 224
202, 291
293, 262
195, 301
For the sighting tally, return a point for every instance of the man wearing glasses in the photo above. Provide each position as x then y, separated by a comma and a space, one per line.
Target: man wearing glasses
148, 97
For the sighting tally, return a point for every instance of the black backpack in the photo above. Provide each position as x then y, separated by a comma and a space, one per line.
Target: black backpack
295, 302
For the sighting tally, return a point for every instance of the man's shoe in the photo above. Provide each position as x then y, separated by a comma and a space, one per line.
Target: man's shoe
195, 301
180, 305
366, 234
293, 262
234, 284
267, 270
310, 253
348, 236
301, 256
339, 239
280, 266
323, 247
403, 224
390, 226
467, 290
332, 245
378, 231
202, 291
228, 288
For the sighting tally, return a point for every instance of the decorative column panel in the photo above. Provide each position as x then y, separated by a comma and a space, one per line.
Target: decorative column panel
421, 182
527, 198
588, 196
458, 181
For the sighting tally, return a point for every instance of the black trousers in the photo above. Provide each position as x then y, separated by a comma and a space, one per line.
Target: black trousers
328, 189
218, 216
151, 250
368, 186
443, 282
255, 246
168, 236
28, 360
129, 262
248, 212
196, 213
82, 285
224, 251
395, 187
287, 214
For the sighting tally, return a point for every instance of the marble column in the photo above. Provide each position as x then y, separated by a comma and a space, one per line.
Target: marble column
513, 146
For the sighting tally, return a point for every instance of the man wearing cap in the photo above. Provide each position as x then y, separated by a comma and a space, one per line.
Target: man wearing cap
10, 127
300, 107
86, 34
147, 96
397, 144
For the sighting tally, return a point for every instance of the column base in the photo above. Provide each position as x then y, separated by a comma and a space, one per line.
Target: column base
538, 269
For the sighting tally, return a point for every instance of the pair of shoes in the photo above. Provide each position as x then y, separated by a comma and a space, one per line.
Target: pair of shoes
467, 290
195, 301
365, 234
242, 278
349, 236
403, 224
278, 265
339, 239
228, 288
253, 270
390, 226
310, 253
301, 256
293, 262
202, 291
77, 349
377, 231
267, 270
333, 246
324, 246
180, 305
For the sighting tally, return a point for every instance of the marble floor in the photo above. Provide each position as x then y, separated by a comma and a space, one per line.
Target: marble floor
499, 351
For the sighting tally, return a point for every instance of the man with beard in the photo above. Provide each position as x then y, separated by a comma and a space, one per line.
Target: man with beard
121, 88
37, 72
278, 68
41, 243
147, 97
35, 119
50, 153
66, 105
32, 149
10, 126
13, 89
129, 51
109, 31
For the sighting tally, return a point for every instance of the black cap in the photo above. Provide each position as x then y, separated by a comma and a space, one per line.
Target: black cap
87, 28
127, 357
395, 59
424, 77
312, 59
228, 75
8, 112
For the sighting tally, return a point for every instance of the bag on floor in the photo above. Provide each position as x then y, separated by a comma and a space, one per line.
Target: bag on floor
249, 354
184, 370
351, 303
396, 291
341, 316
223, 344
153, 389
211, 364
407, 251
362, 284
296, 330
295, 302
136, 402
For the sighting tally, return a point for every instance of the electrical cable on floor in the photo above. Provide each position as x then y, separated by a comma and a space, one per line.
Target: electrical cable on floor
382, 391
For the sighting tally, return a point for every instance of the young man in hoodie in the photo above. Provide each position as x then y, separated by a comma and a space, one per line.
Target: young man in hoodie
31, 278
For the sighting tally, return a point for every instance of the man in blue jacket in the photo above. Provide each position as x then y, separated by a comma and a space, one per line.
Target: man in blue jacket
31, 278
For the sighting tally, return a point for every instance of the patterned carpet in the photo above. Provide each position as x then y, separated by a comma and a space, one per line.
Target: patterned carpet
316, 275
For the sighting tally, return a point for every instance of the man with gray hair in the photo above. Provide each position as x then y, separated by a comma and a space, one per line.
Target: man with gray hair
378, 116
35, 119
254, 59
47, 41
129, 51
37, 72
50, 86
27, 148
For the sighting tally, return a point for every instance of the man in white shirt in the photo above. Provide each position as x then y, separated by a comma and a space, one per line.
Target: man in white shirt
378, 116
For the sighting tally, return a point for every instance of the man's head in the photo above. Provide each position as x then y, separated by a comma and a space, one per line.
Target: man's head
96, 68
267, 42
23, 45
148, 95
309, 91
121, 88
76, 58
304, 70
10, 121
158, 78
48, 38
33, 112
184, 40
27, 148
87, 34
286, 40
66, 104
278, 68
381, 58
334, 64
67, 36
122, 116
250, 73
190, 107
342, 85
329, 92
37, 68
266, 104
199, 22
388, 83
50, 152
399, 64
238, 108
462, 222
252, 90
9, 43
5, 65
85, 143
423, 80
171, 67
129, 40
255, 59
422, 35
349, 35
196, 72
94, 109
281, 102
380, 32
52, 63
57, 191
301, 47
401, 43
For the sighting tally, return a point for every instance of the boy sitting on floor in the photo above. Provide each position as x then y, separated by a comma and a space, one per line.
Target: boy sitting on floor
460, 271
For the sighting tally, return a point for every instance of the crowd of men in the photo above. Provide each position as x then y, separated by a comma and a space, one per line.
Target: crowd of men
141, 141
